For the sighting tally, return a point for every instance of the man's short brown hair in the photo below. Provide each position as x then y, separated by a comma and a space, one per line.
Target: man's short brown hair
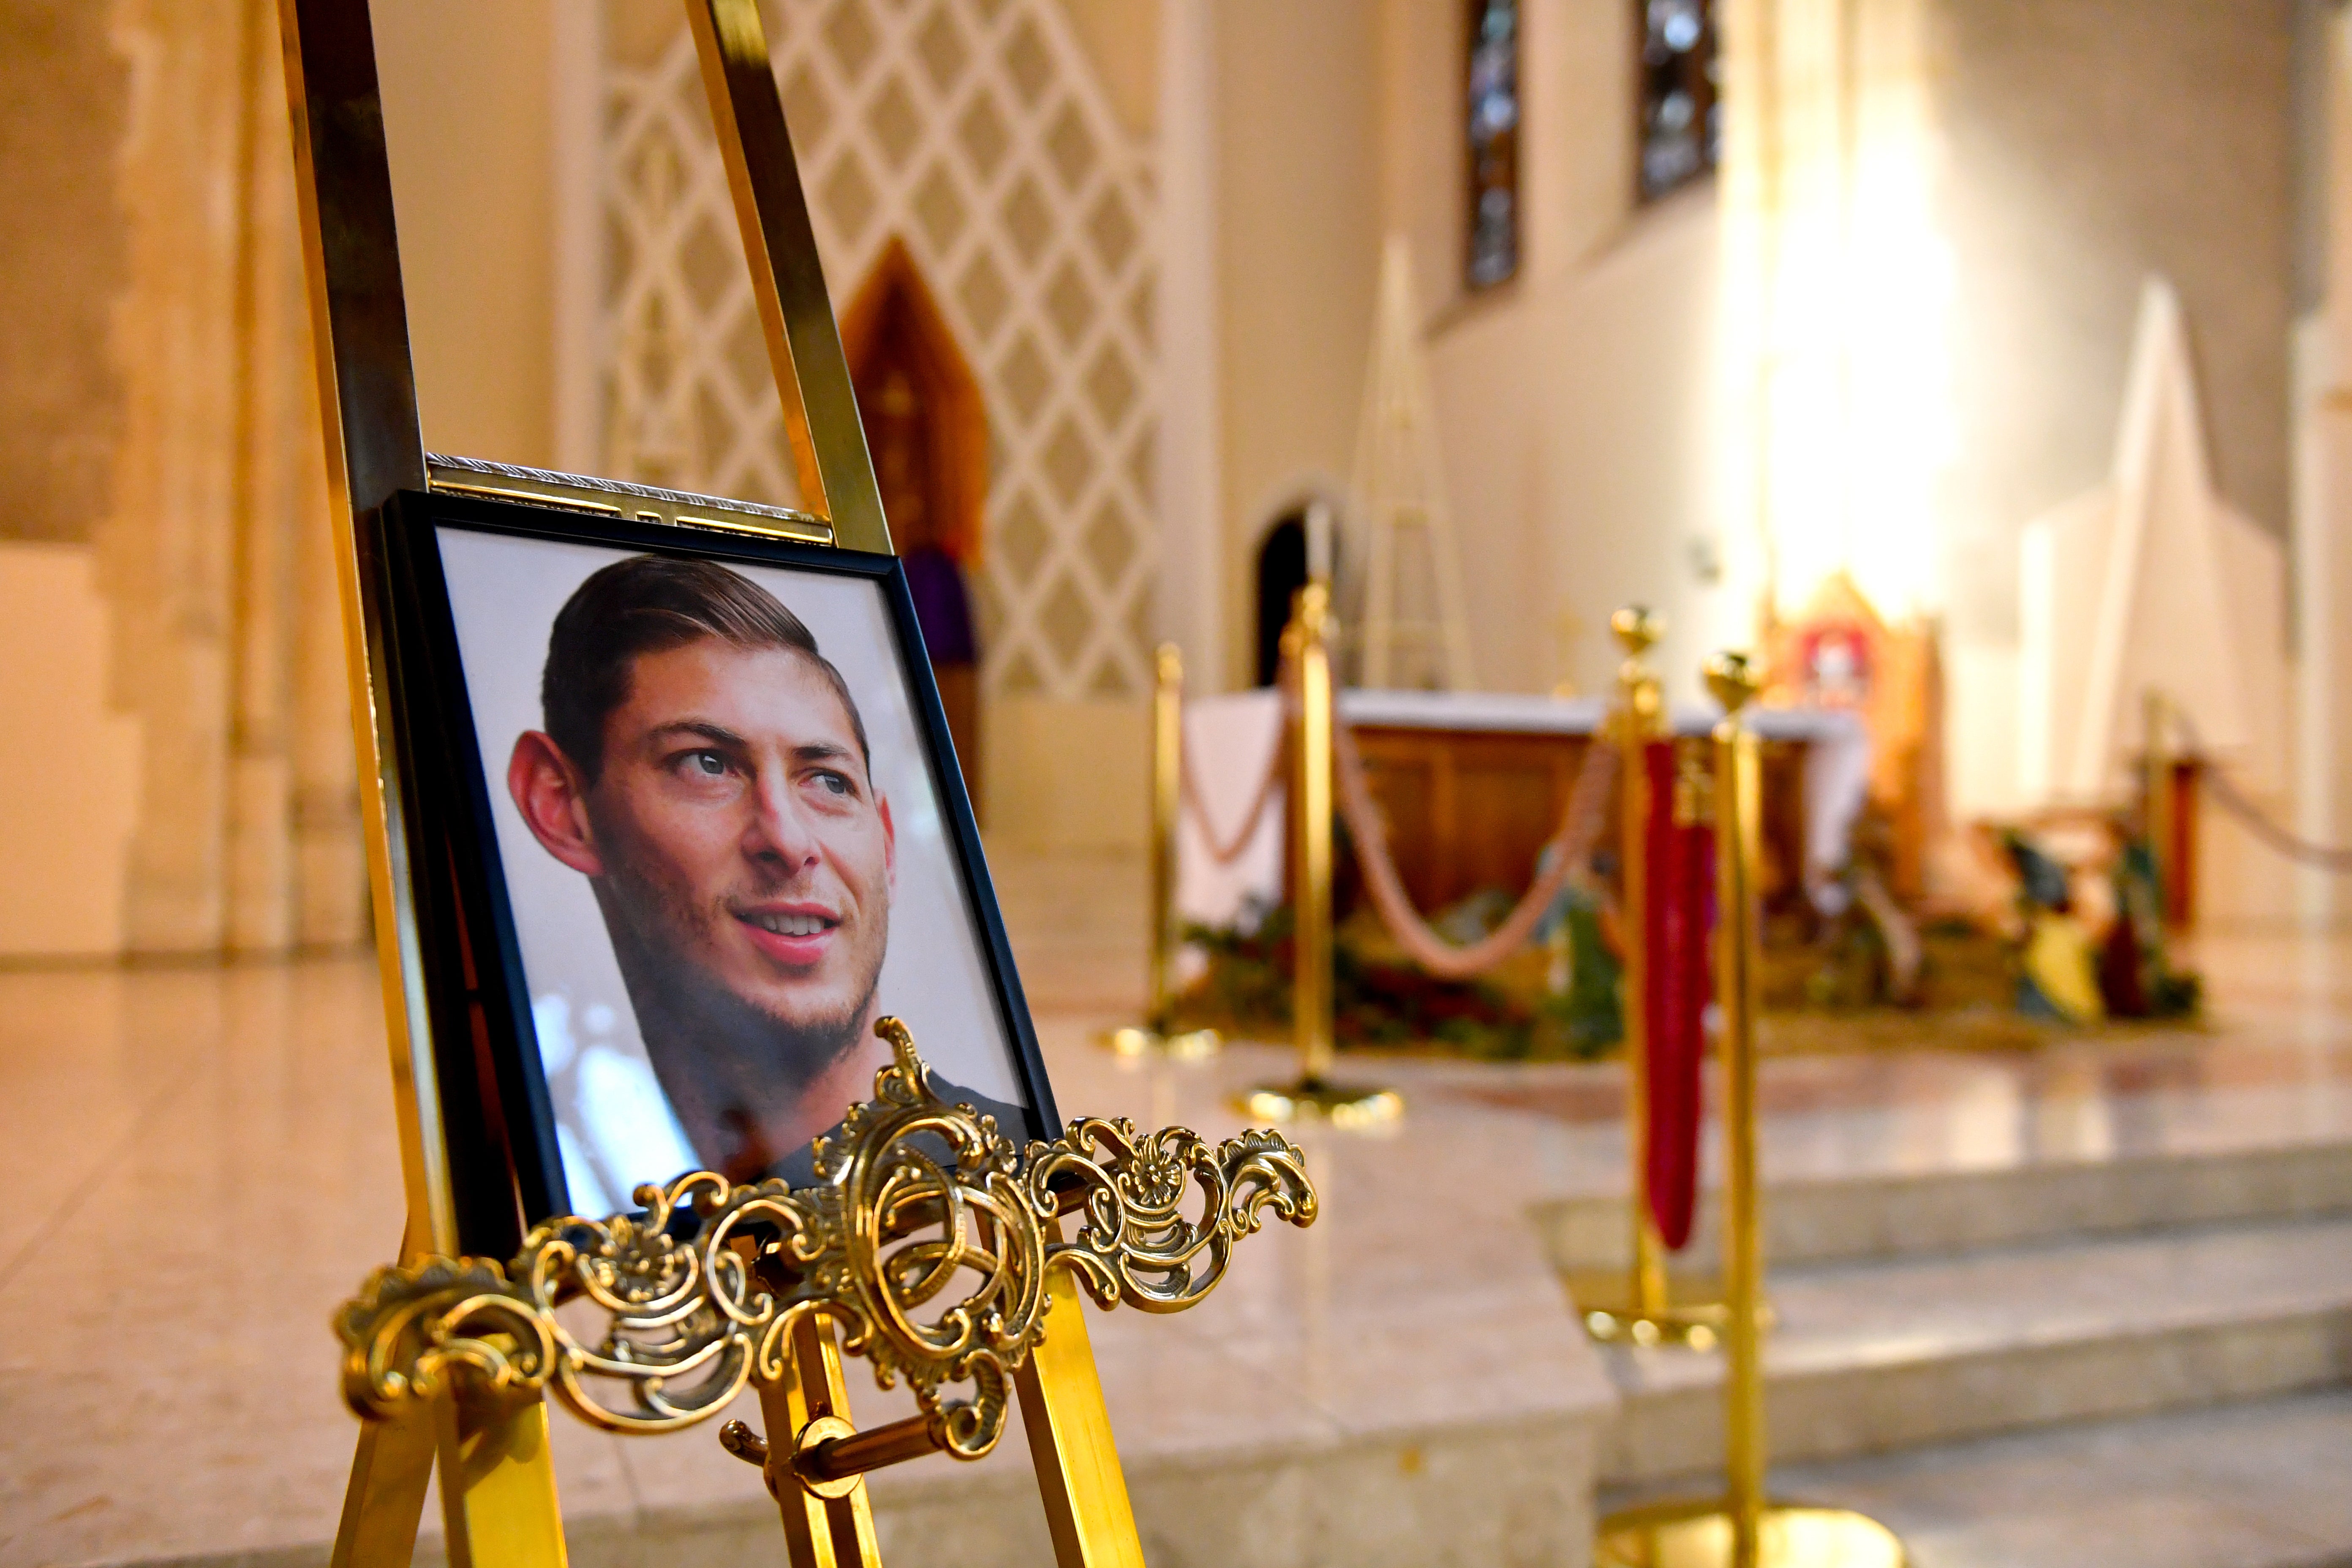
651, 604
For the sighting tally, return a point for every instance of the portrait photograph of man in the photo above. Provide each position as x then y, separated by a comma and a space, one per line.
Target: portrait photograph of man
724, 854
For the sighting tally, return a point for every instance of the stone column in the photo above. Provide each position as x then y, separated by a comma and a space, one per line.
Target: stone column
214, 555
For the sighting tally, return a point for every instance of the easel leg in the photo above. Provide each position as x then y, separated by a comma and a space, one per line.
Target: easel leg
822, 1532
1078, 1476
386, 1494
497, 1487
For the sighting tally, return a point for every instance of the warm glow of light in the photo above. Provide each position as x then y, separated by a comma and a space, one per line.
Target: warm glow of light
1839, 299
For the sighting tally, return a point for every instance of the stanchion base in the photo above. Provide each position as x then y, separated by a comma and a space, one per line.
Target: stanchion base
1343, 1105
1184, 1046
1609, 1301
1698, 1536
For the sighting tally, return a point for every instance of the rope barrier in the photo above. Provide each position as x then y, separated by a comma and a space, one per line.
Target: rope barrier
1580, 827
1565, 853
2301, 851
1225, 854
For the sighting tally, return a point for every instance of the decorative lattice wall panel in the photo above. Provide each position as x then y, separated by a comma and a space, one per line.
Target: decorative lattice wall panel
975, 130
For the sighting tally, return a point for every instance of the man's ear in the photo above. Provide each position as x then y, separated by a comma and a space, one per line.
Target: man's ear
553, 799
889, 840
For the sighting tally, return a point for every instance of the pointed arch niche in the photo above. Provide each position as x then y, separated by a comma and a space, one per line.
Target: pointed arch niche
928, 431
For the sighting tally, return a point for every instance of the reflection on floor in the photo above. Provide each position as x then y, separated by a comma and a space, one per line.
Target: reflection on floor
2093, 1305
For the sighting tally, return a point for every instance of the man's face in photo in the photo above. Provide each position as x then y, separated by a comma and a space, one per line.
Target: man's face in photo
741, 842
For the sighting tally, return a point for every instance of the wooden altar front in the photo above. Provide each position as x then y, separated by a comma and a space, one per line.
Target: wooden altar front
1470, 809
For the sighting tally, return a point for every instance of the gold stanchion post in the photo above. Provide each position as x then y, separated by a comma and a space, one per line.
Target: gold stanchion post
1152, 1035
2156, 764
1741, 1529
1316, 1096
1641, 1304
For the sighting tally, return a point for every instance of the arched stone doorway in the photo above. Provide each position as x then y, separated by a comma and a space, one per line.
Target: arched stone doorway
928, 432
1281, 573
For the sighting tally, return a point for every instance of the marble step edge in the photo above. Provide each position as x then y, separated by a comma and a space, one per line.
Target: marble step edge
1908, 1214
1825, 1409
1514, 1491
2230, 1483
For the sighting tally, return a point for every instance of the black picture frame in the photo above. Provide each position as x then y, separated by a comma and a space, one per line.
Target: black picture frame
495, 1117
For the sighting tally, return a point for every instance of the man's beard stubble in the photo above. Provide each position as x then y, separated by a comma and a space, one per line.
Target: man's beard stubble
747, 1054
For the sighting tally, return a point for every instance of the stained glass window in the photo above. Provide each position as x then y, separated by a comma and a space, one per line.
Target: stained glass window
1492, 109
1682, 121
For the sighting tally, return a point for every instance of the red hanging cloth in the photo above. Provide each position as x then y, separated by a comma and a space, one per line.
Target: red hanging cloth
1679, 917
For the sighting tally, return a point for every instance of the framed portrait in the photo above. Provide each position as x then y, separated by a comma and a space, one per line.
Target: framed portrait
702, 825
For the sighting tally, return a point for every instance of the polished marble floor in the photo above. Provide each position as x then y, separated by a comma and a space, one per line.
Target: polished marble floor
200, 1163
2233, 1487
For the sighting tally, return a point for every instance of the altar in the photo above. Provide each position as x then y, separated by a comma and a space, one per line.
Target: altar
1472, 786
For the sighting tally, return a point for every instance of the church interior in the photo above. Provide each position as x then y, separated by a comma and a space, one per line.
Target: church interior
1329, 445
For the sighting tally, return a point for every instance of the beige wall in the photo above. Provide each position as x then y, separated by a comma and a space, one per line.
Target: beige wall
1299, 233
468, 111
2087, 143
68, 800
1574, 404
1067, 776
1580, 428
67, 92
1122, 38
1423, 188
1577, 403
2090, 144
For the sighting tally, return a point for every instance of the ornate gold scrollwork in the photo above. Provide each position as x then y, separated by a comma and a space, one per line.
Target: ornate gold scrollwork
700, 1293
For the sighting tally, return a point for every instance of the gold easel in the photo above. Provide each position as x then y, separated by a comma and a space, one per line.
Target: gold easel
1741, 1529
1643, 1304
1316, 1094
1154, 1036
449, 1357
775, 1284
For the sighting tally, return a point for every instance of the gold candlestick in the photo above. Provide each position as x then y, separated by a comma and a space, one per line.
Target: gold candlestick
1315, 1097
1741, 1529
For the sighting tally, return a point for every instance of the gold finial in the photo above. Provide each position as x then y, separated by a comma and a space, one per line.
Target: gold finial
1168, 665
1636, 630
1731, 679
1313, 609
1643, 700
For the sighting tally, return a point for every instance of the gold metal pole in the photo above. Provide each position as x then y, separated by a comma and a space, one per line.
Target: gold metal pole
1643, 1303
821, 424
1167, 799
1741, 1529
831, 1526
498, 1482
1167, 804
2155, 780
498, 1485
384, 1502
374, 447
1311, 1004
1737, 799
1307, 642
1639, 718
1070, 1443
